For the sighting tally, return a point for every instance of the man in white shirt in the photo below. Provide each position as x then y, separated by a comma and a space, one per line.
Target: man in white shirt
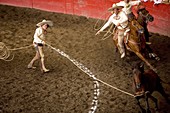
120, 20
127, 4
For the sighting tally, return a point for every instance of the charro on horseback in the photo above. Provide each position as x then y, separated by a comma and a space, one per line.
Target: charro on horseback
128, 33
120, 20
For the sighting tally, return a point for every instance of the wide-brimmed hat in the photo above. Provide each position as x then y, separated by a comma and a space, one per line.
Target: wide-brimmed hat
50, 23
115, 6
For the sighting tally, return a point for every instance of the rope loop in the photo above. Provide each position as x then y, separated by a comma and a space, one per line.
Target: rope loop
109, 32
5, 52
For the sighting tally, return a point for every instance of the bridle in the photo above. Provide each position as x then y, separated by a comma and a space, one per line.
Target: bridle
138, 85
139, 73
145, 18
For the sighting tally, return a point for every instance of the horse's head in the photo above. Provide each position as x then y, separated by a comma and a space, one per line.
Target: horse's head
138, 71
145, 15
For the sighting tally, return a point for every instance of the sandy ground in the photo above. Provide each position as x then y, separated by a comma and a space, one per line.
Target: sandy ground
67, 89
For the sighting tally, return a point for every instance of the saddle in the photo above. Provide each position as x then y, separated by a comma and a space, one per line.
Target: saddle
128, 38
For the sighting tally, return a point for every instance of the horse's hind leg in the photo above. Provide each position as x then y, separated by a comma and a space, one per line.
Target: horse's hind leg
151, 54
142, 58
154, 100
160, 89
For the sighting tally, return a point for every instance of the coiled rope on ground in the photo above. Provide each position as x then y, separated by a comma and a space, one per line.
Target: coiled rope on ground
5, 52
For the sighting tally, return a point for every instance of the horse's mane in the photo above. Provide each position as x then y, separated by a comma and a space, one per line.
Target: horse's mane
140, 10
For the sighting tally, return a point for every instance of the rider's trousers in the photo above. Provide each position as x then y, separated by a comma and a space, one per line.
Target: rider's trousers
120, 41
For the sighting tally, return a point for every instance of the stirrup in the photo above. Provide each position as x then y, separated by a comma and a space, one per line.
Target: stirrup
157, 58
148, 43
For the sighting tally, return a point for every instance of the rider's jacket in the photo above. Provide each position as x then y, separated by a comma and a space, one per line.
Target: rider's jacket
115, 19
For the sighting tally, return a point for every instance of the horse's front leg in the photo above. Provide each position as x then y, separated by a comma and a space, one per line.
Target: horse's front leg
155, 101
138, 103
147, 103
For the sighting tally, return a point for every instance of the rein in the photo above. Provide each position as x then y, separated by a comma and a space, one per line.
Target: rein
137, 86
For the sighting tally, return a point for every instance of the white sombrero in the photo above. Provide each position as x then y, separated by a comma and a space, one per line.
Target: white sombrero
115, 6
50, 23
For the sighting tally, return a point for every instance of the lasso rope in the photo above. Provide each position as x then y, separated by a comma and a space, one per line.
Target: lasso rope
88, 72
5, 52
109, 31
20, 48
115, 88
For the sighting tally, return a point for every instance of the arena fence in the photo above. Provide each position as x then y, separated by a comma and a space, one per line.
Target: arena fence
95, 8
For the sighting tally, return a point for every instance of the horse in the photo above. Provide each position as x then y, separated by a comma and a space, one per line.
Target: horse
145, 82
134, 41
143, 17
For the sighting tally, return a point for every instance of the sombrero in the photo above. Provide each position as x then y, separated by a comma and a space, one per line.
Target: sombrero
114, 6
50, 23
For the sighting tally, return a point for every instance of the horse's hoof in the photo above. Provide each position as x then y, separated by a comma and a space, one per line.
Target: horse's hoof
148, 111
157, 110
153, 55
157, 58
143, 111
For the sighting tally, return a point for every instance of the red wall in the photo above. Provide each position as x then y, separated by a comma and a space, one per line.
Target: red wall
161, 23
97, 9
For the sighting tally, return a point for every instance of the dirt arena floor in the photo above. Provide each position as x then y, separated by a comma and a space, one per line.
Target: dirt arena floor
67, 89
